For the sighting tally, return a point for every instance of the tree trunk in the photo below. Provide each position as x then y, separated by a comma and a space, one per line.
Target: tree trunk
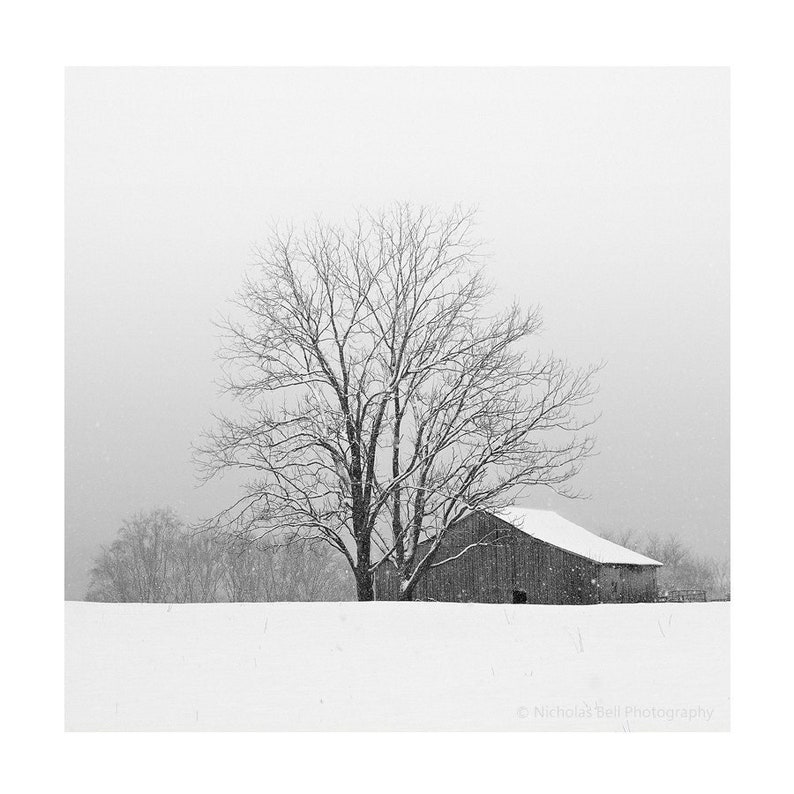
364, 589
364, 578
406, 591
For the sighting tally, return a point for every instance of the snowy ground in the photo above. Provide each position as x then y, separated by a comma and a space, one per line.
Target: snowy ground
390, 666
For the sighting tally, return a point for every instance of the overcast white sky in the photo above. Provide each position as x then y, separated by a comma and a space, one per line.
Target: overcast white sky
604, 195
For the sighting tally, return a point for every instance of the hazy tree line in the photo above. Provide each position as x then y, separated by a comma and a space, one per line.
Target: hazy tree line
682, 569
156, 558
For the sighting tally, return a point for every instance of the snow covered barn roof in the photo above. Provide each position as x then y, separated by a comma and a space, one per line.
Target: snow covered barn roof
548, 526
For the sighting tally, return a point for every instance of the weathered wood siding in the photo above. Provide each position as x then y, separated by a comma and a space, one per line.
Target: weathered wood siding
512, 561
626, 584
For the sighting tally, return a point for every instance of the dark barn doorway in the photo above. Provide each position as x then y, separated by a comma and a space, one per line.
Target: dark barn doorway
519, 596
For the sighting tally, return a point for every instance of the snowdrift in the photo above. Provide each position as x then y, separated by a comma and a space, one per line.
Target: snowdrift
393, 666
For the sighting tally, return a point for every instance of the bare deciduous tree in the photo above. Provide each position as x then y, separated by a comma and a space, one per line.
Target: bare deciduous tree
380, 399
262, 570
720, 571
140, 565
156, 559
627, 538
199, 567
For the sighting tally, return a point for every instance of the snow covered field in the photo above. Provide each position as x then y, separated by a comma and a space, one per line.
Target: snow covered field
382, 666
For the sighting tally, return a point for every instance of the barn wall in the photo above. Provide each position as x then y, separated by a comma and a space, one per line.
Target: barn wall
474, 576
627, 584
489, 574
385, 583
470, 577
550, 575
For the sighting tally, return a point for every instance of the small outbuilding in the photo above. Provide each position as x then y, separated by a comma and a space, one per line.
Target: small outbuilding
527, 556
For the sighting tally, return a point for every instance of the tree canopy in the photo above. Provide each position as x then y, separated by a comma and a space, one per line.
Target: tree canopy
380, 396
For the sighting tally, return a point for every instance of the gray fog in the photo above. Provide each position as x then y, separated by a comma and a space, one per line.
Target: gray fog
603, 195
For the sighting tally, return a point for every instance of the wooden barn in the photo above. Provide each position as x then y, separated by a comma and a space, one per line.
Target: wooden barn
528, 556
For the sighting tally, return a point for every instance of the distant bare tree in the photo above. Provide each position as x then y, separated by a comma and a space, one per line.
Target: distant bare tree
653, 546
140, 565
627, 537
404, 400
673, 552
156, 559
721, 577
247, 572
262, 570
199, 566
311, 572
